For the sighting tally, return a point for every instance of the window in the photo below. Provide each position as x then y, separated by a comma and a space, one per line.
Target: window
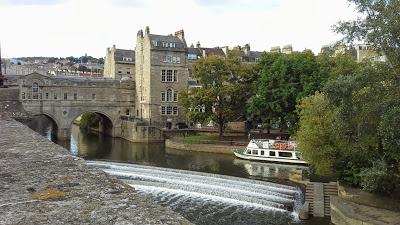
128, 72
169, 95
163, 96
175, 110
163, 75
119, 71
93, 96
35, 91
127, 112
192, 56
262, 152
169, 110
271, 153
169, 76
175, 96
65, 96
47, 95
254, 152
23, 95
75, 96
55, 96
171, 59
162, 110
285, 154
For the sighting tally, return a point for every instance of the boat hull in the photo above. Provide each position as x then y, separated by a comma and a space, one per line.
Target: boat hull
270, 159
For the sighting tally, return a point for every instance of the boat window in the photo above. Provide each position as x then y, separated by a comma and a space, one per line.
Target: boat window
262, 152
271, 153
255, 152
285, 154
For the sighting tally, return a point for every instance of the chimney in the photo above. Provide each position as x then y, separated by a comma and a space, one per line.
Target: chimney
225, 49
147, 30
140, 33
114, 47
198, 44
246, 49
180, 34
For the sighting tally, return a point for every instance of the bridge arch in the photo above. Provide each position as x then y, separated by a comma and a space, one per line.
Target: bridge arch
48, 126
106, 124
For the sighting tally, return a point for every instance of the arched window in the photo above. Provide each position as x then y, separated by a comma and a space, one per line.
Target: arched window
35, 91
169, 95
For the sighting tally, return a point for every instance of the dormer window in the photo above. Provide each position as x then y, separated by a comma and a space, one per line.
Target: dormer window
127, 59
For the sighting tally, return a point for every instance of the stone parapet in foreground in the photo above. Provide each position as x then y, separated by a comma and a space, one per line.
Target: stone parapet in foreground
41, 183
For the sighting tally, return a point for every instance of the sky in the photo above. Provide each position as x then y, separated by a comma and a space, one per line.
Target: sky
62, 28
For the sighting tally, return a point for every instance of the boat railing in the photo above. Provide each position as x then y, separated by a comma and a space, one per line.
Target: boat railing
275, 144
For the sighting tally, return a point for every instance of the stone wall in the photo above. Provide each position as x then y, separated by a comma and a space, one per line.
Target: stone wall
221, 149
10, 104
41, 183
133, 132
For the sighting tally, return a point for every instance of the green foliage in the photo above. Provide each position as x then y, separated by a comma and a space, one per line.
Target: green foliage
379, 178
379, 25
316, 136
225, 88
284, 80
361, 116
89, 120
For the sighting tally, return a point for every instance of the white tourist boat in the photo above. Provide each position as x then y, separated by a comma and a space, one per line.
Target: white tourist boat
272, 151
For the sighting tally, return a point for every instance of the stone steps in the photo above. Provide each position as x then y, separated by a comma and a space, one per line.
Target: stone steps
318, 198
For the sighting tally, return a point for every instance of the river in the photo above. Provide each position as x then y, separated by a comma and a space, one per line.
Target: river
205, 188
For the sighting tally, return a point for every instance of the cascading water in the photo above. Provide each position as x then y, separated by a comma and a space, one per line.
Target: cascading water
210, 198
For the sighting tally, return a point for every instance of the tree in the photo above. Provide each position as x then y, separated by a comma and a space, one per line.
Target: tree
89, 120
358, 139
224, 90
316, 136
284, 80
379, 25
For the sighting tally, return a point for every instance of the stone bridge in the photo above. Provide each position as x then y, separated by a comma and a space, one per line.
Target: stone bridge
64, 99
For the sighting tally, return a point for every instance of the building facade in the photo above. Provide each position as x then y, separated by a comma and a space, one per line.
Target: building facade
119, 63
161, 73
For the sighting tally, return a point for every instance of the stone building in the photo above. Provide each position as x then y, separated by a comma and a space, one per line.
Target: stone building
119, 63
161, 72
367, 52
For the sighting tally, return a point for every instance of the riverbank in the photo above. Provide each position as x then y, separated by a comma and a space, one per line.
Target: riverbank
41, 183
210, 148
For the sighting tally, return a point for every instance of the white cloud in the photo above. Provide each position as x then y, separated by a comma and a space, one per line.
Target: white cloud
76, 27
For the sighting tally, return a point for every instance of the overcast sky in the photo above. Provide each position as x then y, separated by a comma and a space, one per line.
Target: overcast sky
74, 27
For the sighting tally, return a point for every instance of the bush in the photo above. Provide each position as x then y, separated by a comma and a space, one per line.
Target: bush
379, 178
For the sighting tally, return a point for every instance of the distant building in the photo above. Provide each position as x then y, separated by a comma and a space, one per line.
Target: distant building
366, 52
161, 73
276, 49
119, 63
287, 49
244, 53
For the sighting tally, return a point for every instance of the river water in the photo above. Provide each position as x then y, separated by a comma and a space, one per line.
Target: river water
205, 188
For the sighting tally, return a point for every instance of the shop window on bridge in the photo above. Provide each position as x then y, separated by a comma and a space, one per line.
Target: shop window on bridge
23, 95
55, 96
65, 96
47, 95
75, 96
35, 91
93, 96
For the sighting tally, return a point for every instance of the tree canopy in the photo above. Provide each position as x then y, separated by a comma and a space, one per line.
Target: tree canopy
284, 80
379, 25
351, 129
225, 88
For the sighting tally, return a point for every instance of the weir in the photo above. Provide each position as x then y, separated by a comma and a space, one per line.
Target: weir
186, 190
